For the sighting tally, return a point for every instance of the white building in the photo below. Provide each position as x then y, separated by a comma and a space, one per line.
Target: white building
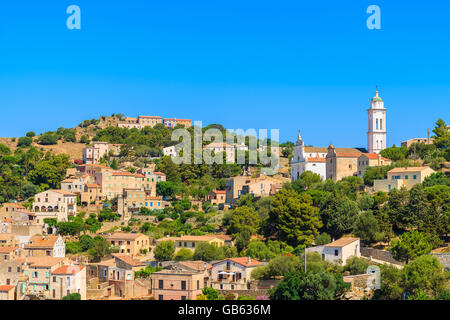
339, 250
169, 151
308, 159
376, 134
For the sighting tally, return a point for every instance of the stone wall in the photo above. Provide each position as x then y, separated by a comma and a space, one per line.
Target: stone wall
444, 259
378, 254
247, 293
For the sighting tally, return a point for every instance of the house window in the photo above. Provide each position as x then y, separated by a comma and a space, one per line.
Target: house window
198, 284
336, 253
183, 297
161, 284
183, 285
160, 297
414, 177
406, 177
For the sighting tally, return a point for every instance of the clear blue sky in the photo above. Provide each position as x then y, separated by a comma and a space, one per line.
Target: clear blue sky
245, 64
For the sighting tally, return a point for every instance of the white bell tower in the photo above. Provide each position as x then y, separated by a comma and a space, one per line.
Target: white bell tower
376, 134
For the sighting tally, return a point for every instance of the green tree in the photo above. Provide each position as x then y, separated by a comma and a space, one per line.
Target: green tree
48, 138
30, 134
184, 254
164, 250
356, 265
394, 153
442, 135
368, 228
208, 252
293, 218
72, 296
100, 248
24, 142
322, 239
114, 165
425, 273
244, 218
309, 286
411, 245
167, 188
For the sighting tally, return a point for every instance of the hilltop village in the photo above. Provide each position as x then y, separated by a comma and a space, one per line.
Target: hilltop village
101, 211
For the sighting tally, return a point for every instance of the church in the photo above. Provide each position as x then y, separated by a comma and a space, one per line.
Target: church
336, 163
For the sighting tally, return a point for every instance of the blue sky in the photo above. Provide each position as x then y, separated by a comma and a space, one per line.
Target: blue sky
245, 64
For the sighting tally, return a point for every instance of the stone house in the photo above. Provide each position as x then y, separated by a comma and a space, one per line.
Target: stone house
402, 177
7, 292
66, 280
217, 197
46, 246
233, 273
177, 284
130, 243
56, 201
191, 242
366, 160
339, 250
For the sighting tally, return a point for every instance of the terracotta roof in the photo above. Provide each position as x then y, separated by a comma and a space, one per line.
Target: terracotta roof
6, 288
129, 260
45, 262
219, 191
153, 198
316, 159
224, 237
123, 173
66, 193
196, 265
42, 242
14, 205
159, 173
342, 242
243, 261
316, 149
348, 154
67, 270
69, 180
190, 238
7, 249
153, 117
92, 185
218, 145
6, 236
124, 236
407, 169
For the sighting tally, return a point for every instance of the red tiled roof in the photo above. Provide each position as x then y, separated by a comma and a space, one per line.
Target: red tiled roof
316, 159
42, 242
68, 270
159, 173
244, 261
342, 242
92, 185
45, 262
7, 249
348, 154
408, 169
128, 259
14, 205
124, 236
6, 288
219, 191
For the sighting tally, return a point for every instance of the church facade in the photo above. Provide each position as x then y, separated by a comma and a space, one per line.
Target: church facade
336, 163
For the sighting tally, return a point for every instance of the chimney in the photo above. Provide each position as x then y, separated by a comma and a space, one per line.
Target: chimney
248, 260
